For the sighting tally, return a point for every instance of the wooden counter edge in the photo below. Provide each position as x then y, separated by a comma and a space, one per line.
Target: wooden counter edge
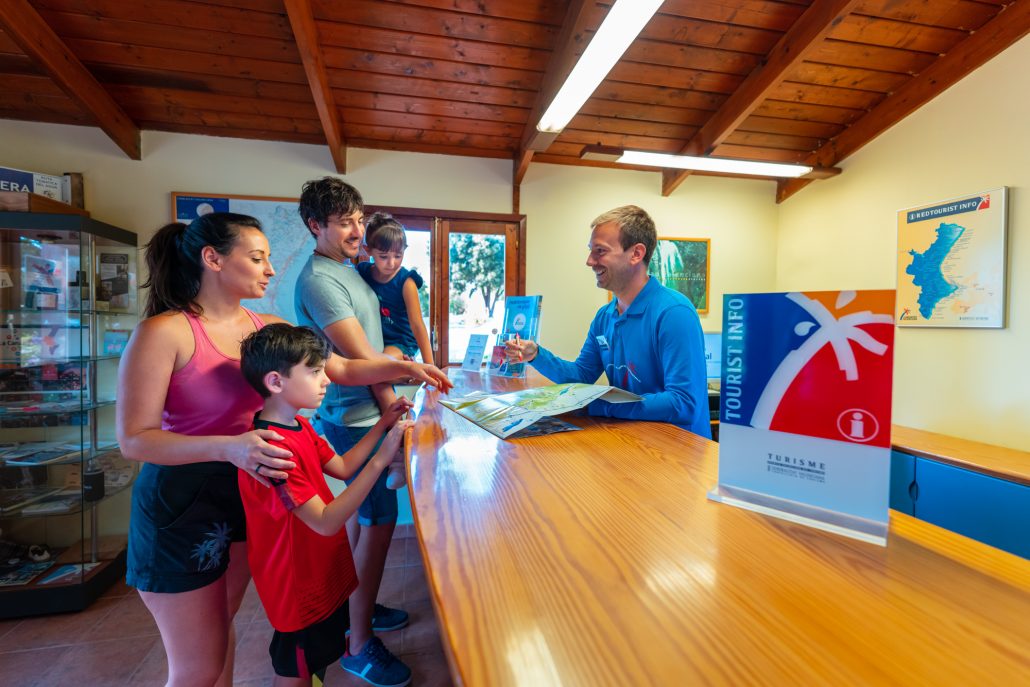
984, 558
452, 664
1008, 464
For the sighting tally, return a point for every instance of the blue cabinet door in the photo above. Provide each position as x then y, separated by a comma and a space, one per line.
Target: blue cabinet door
984, 508
903, 476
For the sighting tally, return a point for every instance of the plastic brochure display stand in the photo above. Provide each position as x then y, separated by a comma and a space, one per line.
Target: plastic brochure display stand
473, 360
805, 417
521, 321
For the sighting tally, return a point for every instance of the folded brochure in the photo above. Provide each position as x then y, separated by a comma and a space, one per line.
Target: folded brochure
504, 414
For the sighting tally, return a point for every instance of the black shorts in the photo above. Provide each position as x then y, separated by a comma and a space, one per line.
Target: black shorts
183, 519
307, 652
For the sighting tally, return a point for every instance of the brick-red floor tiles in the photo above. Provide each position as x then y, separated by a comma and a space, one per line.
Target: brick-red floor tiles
30, 667
115, 642
108, 663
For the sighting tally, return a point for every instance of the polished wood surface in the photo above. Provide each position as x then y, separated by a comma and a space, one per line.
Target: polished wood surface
20, 201
997, 461
594, 558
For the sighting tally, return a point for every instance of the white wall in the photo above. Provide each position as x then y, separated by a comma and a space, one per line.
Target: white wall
136, 195
842, 233
739, 216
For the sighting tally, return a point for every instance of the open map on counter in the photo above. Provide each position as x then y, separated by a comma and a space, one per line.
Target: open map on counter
505, 414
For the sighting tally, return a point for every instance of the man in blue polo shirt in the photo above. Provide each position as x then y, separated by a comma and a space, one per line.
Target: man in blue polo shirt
647, 340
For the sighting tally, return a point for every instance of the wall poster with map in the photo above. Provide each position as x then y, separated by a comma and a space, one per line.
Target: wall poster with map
951, 262
291, 243
683, 265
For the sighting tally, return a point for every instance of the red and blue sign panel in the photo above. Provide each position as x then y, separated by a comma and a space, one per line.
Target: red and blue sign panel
805, 417
815, 364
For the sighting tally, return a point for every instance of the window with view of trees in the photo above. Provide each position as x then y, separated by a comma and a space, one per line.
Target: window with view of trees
470, 263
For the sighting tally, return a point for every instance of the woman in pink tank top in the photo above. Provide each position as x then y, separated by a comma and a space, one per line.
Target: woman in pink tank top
185, 411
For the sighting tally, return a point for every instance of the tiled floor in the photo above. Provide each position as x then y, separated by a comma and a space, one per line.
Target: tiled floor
115, 641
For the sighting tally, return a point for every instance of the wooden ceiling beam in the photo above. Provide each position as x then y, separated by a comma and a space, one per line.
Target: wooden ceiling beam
791, 50
32, 34
571, 42
302, 21
1007, 27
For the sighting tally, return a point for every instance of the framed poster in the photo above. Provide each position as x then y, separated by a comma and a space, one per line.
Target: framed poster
684, 265
951, 262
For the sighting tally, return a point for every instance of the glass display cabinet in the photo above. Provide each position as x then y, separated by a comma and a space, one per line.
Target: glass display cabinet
68, 299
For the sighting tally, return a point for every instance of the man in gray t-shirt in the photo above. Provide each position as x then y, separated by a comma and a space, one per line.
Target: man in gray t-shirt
326, 293
332, 298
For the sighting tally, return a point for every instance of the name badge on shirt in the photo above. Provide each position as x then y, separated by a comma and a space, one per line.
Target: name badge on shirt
602, 342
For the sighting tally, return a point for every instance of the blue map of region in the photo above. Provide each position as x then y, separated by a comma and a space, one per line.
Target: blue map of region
926, 269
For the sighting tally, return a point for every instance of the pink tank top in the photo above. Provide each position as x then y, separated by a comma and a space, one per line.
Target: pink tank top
209, 396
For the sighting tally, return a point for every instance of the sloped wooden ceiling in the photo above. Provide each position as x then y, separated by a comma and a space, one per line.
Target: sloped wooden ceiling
778, 80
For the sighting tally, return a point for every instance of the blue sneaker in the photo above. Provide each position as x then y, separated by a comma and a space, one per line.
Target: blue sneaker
386, 619
377, 666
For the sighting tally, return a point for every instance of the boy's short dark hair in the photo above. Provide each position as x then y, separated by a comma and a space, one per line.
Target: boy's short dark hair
383, 232
322, 198
277, 348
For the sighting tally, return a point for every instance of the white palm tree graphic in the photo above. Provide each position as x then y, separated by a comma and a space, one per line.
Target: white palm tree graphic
838, 333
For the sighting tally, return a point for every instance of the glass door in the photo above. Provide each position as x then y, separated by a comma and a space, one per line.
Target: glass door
479, 260
418, 257
470, 263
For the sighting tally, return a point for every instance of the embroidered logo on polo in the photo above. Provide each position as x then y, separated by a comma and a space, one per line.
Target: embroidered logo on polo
621, 374
815, 364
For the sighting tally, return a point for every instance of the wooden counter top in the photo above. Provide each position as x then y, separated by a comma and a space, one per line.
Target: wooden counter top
595, 558
996, 461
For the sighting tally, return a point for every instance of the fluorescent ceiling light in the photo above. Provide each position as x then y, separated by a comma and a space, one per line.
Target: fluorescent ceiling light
625, 20
713, 164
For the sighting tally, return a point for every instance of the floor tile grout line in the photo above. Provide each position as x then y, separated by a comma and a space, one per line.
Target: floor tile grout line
39, 648
11, 628
143, 659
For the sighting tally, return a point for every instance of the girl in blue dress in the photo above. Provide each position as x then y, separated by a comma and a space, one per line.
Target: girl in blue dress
404, 331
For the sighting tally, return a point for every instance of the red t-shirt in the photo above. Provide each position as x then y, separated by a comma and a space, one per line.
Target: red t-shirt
301, 576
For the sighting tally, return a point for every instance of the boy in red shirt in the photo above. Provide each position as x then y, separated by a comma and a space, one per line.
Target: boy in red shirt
297, 545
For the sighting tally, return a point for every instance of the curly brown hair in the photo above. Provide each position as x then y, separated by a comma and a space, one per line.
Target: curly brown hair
323, 198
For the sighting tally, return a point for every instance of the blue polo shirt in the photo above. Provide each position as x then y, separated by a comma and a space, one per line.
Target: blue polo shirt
655, 349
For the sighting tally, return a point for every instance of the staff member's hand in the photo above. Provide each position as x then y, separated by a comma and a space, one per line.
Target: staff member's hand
432, 375
520, 350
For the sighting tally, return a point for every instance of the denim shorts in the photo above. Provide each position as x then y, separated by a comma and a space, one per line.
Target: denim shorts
184, 517
410, 351
380, 506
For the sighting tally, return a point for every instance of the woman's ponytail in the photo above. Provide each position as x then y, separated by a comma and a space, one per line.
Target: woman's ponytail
171, 287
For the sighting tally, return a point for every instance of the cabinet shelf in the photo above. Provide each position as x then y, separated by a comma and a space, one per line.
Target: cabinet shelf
53, 408
60, 361
67, 311
58, 499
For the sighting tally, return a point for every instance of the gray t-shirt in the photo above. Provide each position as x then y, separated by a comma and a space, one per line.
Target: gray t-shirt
327, 292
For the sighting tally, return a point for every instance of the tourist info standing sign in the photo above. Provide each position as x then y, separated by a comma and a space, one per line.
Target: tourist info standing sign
805, 418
